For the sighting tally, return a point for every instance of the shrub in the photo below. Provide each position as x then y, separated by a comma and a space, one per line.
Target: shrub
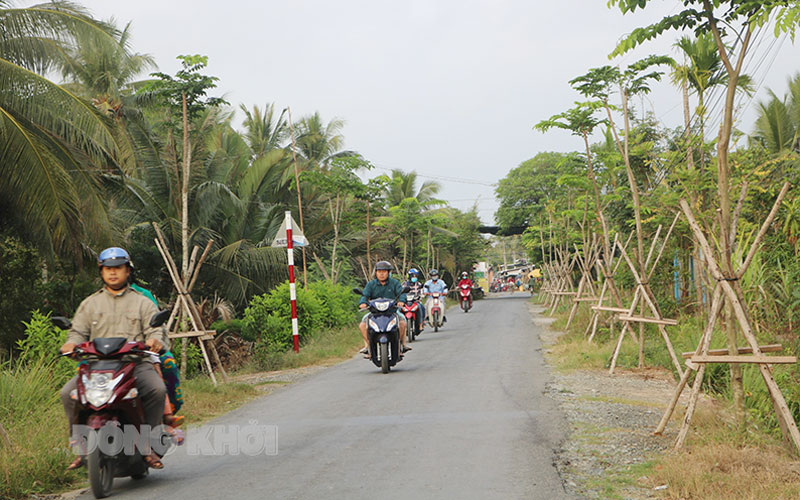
339, 302
194, 357
41, 343
268, 318
234, 325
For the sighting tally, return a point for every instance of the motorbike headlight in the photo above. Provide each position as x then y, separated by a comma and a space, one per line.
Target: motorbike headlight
382, 306
392, 323
373, 325
99, 387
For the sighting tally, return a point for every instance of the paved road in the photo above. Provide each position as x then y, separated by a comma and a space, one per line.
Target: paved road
463, 416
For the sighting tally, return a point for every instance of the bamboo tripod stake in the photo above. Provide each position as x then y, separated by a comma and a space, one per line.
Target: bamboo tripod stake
729, 289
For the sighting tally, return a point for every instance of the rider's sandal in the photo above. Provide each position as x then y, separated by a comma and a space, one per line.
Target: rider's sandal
363, 350
153, 461
406, 348
76, 464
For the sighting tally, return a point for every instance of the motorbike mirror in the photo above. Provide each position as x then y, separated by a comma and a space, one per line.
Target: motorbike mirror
357, 291
61, 322
160, 318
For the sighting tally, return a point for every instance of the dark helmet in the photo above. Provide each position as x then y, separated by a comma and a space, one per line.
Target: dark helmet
113, 257
433, 273
383, 266
413, 272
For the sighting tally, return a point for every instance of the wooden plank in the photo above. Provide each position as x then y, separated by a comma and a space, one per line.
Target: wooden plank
585, 299
564, 293
611, 309
742, 350
202, 333
777, 360
642, 319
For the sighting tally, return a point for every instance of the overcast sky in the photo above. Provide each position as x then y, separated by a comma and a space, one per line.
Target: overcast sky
449, 88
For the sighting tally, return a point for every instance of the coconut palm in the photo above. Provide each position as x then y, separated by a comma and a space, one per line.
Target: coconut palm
403, 185
777, 127
54, 145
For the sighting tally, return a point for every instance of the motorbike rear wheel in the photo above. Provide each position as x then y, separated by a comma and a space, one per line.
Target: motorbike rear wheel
385, 358
101, 469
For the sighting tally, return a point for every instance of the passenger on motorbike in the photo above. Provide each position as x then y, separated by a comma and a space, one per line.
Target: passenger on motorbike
466, 281
116, 310
436, 285
383, 286
416, 287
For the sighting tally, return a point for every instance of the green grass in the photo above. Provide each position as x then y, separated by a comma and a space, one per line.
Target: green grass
333, 345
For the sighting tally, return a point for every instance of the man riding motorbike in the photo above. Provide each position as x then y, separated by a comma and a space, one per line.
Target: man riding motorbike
116, 310
386, 287
416, 287
436, 285
466, 281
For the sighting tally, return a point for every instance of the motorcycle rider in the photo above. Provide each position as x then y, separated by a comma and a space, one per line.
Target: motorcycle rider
383, 287
466, 281
116, 310
436, 285
416, 286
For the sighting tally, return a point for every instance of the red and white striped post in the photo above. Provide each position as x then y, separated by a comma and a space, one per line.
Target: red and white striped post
292, 289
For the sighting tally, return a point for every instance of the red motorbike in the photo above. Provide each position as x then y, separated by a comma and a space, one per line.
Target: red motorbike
109, 409
411, 311
465, 296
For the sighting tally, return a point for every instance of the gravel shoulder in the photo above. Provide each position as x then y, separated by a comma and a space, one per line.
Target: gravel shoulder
611, 420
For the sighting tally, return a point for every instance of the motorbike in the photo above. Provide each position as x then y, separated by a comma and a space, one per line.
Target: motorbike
436, 311
383, 332
412, 311
108, 403
464, 293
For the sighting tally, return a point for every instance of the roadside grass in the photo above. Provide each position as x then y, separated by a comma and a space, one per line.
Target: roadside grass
31, 414
718, 461
330, 346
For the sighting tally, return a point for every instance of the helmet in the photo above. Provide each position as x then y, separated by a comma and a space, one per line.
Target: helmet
434, 272
113, 257
413, 272
383, 266
464, 274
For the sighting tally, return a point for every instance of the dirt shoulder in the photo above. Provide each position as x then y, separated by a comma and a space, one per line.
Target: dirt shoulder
611, 420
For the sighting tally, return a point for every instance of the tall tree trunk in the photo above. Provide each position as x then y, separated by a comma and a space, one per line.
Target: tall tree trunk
369, 257
723, 172
187, 166
697, 265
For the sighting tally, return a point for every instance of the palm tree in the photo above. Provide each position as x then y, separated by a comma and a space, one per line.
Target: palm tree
263, 132
403, 185
777, 127
55, 146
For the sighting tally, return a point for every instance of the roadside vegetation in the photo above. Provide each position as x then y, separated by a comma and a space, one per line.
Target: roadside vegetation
720, 460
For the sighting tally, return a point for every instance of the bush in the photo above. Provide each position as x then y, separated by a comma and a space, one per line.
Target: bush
194, 357
339, 302
268, 318
234, 325
41, 343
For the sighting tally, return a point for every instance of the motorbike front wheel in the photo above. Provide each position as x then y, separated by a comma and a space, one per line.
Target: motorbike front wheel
101, 470
410, 333
385, 358
435, 321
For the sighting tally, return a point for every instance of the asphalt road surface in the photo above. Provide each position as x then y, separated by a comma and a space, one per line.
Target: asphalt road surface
462, 416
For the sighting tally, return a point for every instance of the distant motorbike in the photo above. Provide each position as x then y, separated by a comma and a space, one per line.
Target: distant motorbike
413, 313
465, 297
383, 332
436, 311
107, 402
